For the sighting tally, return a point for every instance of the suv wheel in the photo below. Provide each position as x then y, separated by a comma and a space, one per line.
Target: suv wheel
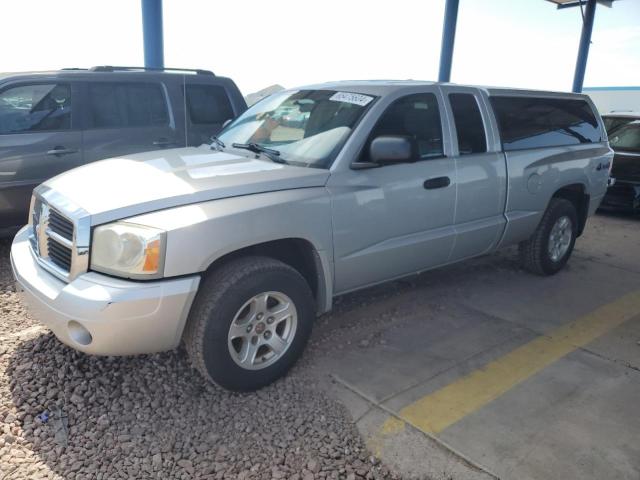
550, 247
249, 323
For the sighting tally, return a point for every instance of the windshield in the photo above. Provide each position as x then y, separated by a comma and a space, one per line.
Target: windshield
626, 137
305, 128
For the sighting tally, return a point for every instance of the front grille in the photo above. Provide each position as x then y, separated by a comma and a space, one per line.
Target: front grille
60, 225
52, 239
59, 254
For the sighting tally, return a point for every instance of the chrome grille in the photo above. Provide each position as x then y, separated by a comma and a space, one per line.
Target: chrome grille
59, 254
59, 243
60, 225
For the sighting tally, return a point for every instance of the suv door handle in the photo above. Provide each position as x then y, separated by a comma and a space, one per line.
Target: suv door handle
437, 182
61, 151
162, 142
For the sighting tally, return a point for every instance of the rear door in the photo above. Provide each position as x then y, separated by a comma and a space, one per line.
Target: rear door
127, 117
207, 109
481, 183
39, 138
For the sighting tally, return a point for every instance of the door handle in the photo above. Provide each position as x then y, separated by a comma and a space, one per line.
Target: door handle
438, 182
162, 142
61, 151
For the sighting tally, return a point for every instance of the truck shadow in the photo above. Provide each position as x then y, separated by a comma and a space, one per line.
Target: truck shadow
619, 215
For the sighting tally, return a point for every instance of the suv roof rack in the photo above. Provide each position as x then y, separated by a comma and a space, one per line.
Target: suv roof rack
112, 68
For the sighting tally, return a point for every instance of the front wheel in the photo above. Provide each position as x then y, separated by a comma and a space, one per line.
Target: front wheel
249, 323
549, 248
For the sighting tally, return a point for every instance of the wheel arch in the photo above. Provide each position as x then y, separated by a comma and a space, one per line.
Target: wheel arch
298, 253
577, 194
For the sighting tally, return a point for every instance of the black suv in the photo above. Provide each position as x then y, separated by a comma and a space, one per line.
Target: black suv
54, 121
624, 137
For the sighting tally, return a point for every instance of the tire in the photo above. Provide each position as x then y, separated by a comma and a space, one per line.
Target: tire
233, 297
535, 253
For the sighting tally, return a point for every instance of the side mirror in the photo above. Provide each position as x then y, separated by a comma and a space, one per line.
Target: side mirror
391, 149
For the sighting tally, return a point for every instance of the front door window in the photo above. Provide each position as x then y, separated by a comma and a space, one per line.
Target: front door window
35, 108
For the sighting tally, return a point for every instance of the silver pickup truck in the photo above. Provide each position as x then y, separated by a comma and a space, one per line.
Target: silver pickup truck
233, 248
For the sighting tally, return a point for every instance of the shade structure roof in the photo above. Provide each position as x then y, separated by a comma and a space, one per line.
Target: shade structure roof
575, 3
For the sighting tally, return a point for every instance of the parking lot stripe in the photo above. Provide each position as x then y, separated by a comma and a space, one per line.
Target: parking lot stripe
442, 408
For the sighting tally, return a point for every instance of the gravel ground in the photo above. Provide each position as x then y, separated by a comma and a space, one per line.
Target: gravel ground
153, 416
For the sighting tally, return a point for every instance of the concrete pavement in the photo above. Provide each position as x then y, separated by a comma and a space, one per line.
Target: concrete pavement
482, 370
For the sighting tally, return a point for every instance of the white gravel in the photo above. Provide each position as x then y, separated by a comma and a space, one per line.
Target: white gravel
154, 417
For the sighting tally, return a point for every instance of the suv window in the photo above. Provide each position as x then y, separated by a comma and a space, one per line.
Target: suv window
122, 105
35, 108
208, 104
626, 137
613, 123
534, 122
415, 116
469, 126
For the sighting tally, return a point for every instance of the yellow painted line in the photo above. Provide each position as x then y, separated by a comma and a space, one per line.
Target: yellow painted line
442, 408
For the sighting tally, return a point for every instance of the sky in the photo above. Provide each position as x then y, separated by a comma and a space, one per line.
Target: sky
518, 43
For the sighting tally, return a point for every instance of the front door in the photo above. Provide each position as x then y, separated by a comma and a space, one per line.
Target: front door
396, 219
39, 138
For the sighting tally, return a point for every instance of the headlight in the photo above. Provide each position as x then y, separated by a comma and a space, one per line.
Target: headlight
128, 250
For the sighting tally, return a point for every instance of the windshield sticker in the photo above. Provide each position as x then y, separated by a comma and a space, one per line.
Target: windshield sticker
354, 98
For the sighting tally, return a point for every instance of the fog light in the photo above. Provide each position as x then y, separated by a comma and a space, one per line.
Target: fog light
78, 333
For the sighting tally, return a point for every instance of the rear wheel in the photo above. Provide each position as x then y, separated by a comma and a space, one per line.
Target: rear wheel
249, 323
549, 248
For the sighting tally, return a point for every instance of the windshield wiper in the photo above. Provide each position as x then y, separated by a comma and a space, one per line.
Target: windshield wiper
273, 155
219, 143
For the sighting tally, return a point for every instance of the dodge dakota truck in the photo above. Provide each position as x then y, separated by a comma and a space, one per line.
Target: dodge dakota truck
234, 247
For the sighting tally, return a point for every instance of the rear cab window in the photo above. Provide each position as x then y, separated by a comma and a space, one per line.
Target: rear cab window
538, 122
42, 107
126, 105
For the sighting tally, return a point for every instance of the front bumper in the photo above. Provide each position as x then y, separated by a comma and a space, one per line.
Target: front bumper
102, 315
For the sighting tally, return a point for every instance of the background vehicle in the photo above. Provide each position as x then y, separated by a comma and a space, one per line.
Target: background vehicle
617, 118
53, 121
234, 248
624, 137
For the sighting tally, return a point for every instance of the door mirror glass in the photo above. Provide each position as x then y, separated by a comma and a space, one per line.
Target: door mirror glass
391, 149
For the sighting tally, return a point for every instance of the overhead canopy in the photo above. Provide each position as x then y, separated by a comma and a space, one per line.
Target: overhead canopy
575, 3
154, 46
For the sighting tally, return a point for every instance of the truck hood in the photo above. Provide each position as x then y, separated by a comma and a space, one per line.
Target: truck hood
123, 187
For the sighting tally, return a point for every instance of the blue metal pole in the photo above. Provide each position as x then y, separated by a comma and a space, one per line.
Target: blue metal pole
152, 33
585, 41
448, 38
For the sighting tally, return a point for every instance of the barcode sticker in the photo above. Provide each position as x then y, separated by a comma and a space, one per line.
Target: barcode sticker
355, 98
